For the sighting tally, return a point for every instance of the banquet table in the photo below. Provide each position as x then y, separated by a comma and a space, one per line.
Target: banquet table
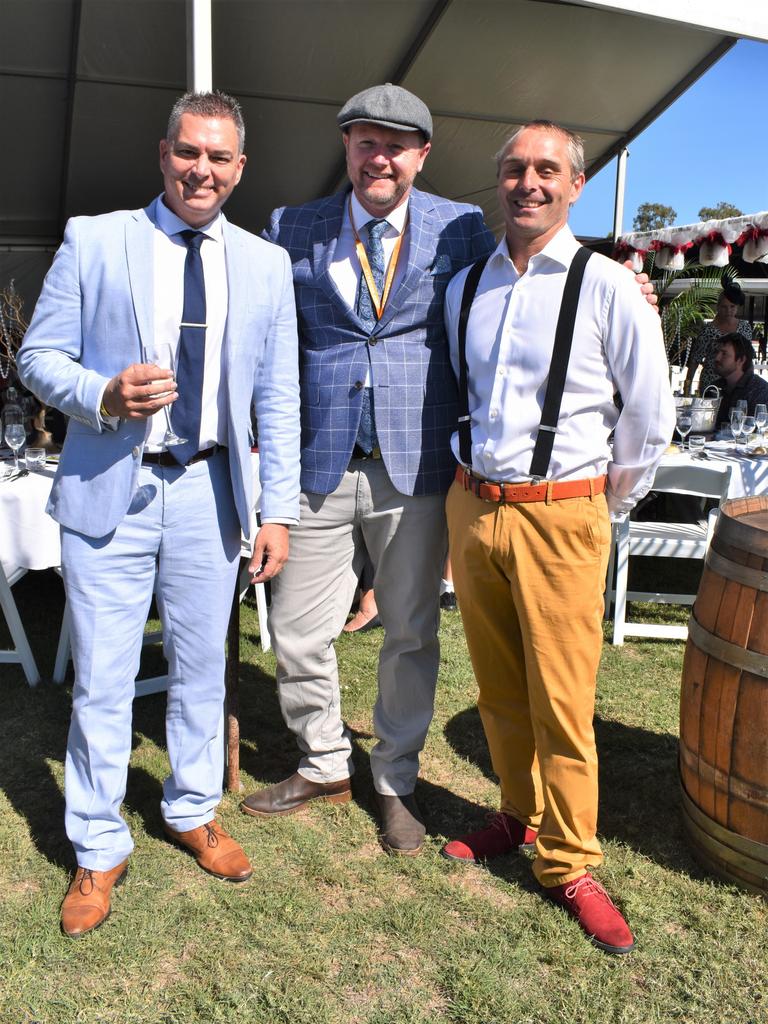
749, 473
29, 539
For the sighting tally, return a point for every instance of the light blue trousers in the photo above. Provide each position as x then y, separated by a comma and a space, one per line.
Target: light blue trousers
183, 530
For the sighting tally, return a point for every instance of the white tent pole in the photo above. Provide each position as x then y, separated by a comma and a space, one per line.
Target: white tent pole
621, 180
199, 46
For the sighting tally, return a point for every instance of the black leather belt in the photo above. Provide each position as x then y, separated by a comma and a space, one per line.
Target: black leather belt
358, 453
166, 458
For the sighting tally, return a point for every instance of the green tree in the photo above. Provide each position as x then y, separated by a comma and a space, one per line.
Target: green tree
651, 216
719, 212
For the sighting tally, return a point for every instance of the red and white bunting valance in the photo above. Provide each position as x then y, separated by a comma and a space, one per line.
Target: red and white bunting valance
715, 239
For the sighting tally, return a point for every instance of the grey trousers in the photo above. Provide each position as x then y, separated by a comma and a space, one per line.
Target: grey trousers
406, 539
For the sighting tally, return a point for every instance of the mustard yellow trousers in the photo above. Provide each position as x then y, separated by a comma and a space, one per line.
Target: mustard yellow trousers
529, 581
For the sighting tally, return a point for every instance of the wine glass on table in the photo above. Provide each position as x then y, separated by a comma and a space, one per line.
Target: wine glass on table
748, 427
14, 433
761, 418
162, 355
684, 423
737, 419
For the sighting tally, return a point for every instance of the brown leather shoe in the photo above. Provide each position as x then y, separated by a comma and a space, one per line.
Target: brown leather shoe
215, 851
292, 794
87, 903
402, 826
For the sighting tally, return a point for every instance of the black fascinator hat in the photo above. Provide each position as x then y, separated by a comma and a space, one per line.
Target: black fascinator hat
732, 291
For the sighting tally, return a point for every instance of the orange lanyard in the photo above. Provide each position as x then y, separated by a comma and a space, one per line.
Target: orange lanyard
377, 303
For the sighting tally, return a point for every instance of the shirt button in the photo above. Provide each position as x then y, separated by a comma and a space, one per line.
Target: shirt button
372, 341
358, 384
493, 414
135, 452
501, 371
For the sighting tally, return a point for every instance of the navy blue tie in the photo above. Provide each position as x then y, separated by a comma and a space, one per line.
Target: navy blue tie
190, 360
366, 432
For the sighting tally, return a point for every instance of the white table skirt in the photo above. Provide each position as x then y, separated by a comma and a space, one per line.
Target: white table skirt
29, 538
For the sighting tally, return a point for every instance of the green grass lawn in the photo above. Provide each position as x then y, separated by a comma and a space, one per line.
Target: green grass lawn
332, 931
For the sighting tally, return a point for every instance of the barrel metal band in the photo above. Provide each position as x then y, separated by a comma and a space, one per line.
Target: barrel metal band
722, 781
724, 650
755, 578
741, 535
748, 848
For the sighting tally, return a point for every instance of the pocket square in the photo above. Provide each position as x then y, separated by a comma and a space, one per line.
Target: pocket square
442, 265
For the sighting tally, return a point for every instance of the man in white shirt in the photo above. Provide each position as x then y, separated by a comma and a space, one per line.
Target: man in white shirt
140, 513
530, 542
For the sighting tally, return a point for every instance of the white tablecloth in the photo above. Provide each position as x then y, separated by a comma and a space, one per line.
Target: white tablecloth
749, 475
28, 537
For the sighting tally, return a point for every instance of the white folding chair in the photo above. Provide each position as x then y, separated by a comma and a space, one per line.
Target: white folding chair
662, 539
21, 652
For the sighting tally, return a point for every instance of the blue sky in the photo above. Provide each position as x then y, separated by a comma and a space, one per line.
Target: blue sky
710, 145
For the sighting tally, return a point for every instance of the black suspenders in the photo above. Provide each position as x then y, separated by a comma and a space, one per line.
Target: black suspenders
558, 367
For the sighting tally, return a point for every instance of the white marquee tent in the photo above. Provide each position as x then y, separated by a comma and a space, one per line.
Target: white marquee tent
87, 84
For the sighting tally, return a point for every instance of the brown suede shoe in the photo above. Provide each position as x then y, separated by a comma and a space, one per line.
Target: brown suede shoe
292, 794
87, 903
402, 826
215, 851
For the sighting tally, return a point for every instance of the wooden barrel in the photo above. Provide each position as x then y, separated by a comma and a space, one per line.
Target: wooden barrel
724, 701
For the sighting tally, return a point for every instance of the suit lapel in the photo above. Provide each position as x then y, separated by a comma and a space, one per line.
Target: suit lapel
421, 254
139, 252
237, 296
325, 235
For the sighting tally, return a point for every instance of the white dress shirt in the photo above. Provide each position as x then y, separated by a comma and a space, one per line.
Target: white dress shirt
617, 346
345, 267
170, 252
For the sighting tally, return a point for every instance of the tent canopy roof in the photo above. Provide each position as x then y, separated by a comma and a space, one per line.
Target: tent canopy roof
89, 83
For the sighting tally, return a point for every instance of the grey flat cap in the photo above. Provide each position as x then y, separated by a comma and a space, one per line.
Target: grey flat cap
389, 105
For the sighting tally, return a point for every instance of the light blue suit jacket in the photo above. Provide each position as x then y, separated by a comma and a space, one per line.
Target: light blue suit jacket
95, 316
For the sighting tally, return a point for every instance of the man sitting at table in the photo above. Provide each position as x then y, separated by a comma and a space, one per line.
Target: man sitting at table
738, 380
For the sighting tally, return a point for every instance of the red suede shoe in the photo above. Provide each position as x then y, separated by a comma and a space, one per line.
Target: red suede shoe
587, 901
502, 834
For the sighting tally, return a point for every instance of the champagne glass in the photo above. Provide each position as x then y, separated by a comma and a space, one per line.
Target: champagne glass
742, 404
737, 418
761, 417
684, 423
162, 355
748, 426
14, 433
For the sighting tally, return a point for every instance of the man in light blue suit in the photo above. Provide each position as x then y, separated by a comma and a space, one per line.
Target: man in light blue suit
370, 268
138, 511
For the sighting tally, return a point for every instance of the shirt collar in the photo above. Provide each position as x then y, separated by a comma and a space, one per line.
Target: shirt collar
561, 249
395, 219
170, 224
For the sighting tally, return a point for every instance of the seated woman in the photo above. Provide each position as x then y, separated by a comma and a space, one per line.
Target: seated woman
726, 321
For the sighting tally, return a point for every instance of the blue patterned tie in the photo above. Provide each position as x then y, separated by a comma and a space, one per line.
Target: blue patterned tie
190, 360
366, 432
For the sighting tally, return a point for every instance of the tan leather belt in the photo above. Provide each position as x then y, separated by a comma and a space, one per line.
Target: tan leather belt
166, 458
549, 490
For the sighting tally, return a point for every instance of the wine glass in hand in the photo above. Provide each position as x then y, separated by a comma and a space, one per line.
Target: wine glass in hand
162, 355
684, 423
14, 433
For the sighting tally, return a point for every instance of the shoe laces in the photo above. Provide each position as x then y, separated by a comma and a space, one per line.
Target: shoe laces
212, 830
86, 885
500, 821
588, 886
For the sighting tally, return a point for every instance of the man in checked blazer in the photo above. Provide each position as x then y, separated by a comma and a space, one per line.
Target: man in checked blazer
378, 401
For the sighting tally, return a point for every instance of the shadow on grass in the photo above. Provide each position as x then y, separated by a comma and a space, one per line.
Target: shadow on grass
269, 753
639, 791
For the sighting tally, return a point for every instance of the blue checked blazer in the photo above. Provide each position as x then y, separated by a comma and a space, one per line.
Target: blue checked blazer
415, 398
